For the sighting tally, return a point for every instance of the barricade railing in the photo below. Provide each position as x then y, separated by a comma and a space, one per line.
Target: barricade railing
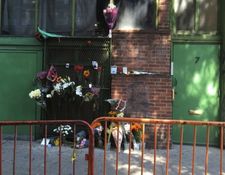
144, 158
148, 160
12, 152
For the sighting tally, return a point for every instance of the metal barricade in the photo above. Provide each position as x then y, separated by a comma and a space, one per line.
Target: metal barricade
148, 159
18, 157
105, 161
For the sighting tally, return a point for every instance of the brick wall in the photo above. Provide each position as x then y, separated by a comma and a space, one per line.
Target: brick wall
146, 95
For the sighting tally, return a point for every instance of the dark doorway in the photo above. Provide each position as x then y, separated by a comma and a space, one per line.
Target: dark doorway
68, 53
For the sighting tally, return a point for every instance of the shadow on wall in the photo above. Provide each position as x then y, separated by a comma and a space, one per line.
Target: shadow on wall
138, 100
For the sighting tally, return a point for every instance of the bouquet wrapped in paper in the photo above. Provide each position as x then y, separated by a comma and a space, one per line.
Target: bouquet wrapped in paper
118, 137
110, 14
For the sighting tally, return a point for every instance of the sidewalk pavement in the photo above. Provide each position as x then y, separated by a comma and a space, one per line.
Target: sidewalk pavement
22, 160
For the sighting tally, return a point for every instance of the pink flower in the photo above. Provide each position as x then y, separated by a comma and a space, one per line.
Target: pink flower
110, 14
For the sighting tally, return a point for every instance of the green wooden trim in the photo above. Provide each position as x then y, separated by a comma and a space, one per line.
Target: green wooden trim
36, 15
156, 14
0, 16
39, 67
192, 33
196, 16
195, 31
197, 38
18, 48
219, 16
73, 17
25, 41
171, 53
172, 17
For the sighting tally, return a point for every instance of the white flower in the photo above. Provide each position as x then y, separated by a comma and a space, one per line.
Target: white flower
79, 91
121, 114
65, 85
65, 129
48, 96
57, 87
35, 94
127, 127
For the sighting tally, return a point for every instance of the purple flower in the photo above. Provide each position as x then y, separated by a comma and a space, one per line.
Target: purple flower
42, 75
110, 14
95, 90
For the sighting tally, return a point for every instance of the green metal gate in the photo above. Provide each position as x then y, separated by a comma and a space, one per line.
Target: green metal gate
17, 70
18, 66
196, 88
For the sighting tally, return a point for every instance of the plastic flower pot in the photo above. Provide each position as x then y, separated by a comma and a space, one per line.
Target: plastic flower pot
126, 146
138, 146
108, 146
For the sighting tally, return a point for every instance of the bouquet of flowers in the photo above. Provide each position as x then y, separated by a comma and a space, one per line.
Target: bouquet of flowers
136, 130
49, 84
63, 129
110, 14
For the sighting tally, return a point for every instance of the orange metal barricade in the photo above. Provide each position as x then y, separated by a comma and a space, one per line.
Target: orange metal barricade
113, 163
155, 122
11, 158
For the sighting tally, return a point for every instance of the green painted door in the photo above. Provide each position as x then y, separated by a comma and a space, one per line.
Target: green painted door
17, 71
196, 87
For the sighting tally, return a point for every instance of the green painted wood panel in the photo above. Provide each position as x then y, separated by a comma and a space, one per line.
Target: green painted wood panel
196, 85
18, 68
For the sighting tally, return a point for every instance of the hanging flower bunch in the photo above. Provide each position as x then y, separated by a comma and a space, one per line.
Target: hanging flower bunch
110, 14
